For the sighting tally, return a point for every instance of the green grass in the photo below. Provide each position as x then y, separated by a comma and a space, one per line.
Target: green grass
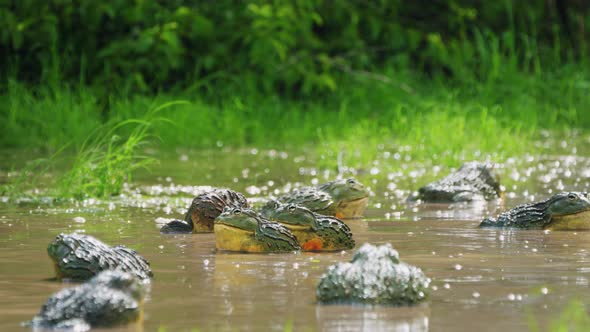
110, 154
496, 105
28, 177
99, 166
574, 318
47, 117
105, 161
434, 118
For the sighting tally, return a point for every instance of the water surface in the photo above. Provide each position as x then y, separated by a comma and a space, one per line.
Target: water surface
484, 279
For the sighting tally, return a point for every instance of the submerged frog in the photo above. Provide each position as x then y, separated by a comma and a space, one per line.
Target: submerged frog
474, 181
563, 211
78, 256
110, 298
243, 230
203, 211
315, 232
346, 198
374, 276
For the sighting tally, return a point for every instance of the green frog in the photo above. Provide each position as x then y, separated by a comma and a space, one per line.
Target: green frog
243, 230
80, 257
110, 298
314, 231
345, 198
562, 211
375, 275
203, 211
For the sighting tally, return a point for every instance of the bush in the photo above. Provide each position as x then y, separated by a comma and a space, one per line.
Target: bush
270, 45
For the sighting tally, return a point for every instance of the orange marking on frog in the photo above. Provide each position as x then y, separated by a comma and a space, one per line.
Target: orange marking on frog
339, 215
313, 245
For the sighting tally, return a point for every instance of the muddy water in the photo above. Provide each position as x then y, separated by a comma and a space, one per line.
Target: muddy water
483, 279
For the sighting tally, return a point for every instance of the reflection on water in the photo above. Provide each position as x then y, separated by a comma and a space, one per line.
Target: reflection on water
484, 279
361, 318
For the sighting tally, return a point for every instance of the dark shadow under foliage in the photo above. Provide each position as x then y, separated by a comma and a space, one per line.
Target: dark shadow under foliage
290, 47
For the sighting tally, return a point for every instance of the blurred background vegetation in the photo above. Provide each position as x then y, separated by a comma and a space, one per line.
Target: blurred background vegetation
248, 64
291, 47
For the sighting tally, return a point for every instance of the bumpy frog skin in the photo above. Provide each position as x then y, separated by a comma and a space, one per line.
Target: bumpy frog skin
80, 257
474, 181
346, 198
374, 276
315, 232
203, 210
563, 211
111, 298
243, 230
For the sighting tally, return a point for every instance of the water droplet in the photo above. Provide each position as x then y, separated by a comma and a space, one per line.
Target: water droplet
80, 220
458, 267
511, 297
447, 286
253, 190
544, 291
475, 294
205, 262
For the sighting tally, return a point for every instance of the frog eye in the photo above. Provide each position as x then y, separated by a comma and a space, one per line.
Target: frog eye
291, 208
351, 181
572, 197
236, 211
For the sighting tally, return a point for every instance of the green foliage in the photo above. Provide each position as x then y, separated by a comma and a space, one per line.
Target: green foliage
27, 178
496, 76
291, 47
574, 317
47, 116
429, 119
106, 160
